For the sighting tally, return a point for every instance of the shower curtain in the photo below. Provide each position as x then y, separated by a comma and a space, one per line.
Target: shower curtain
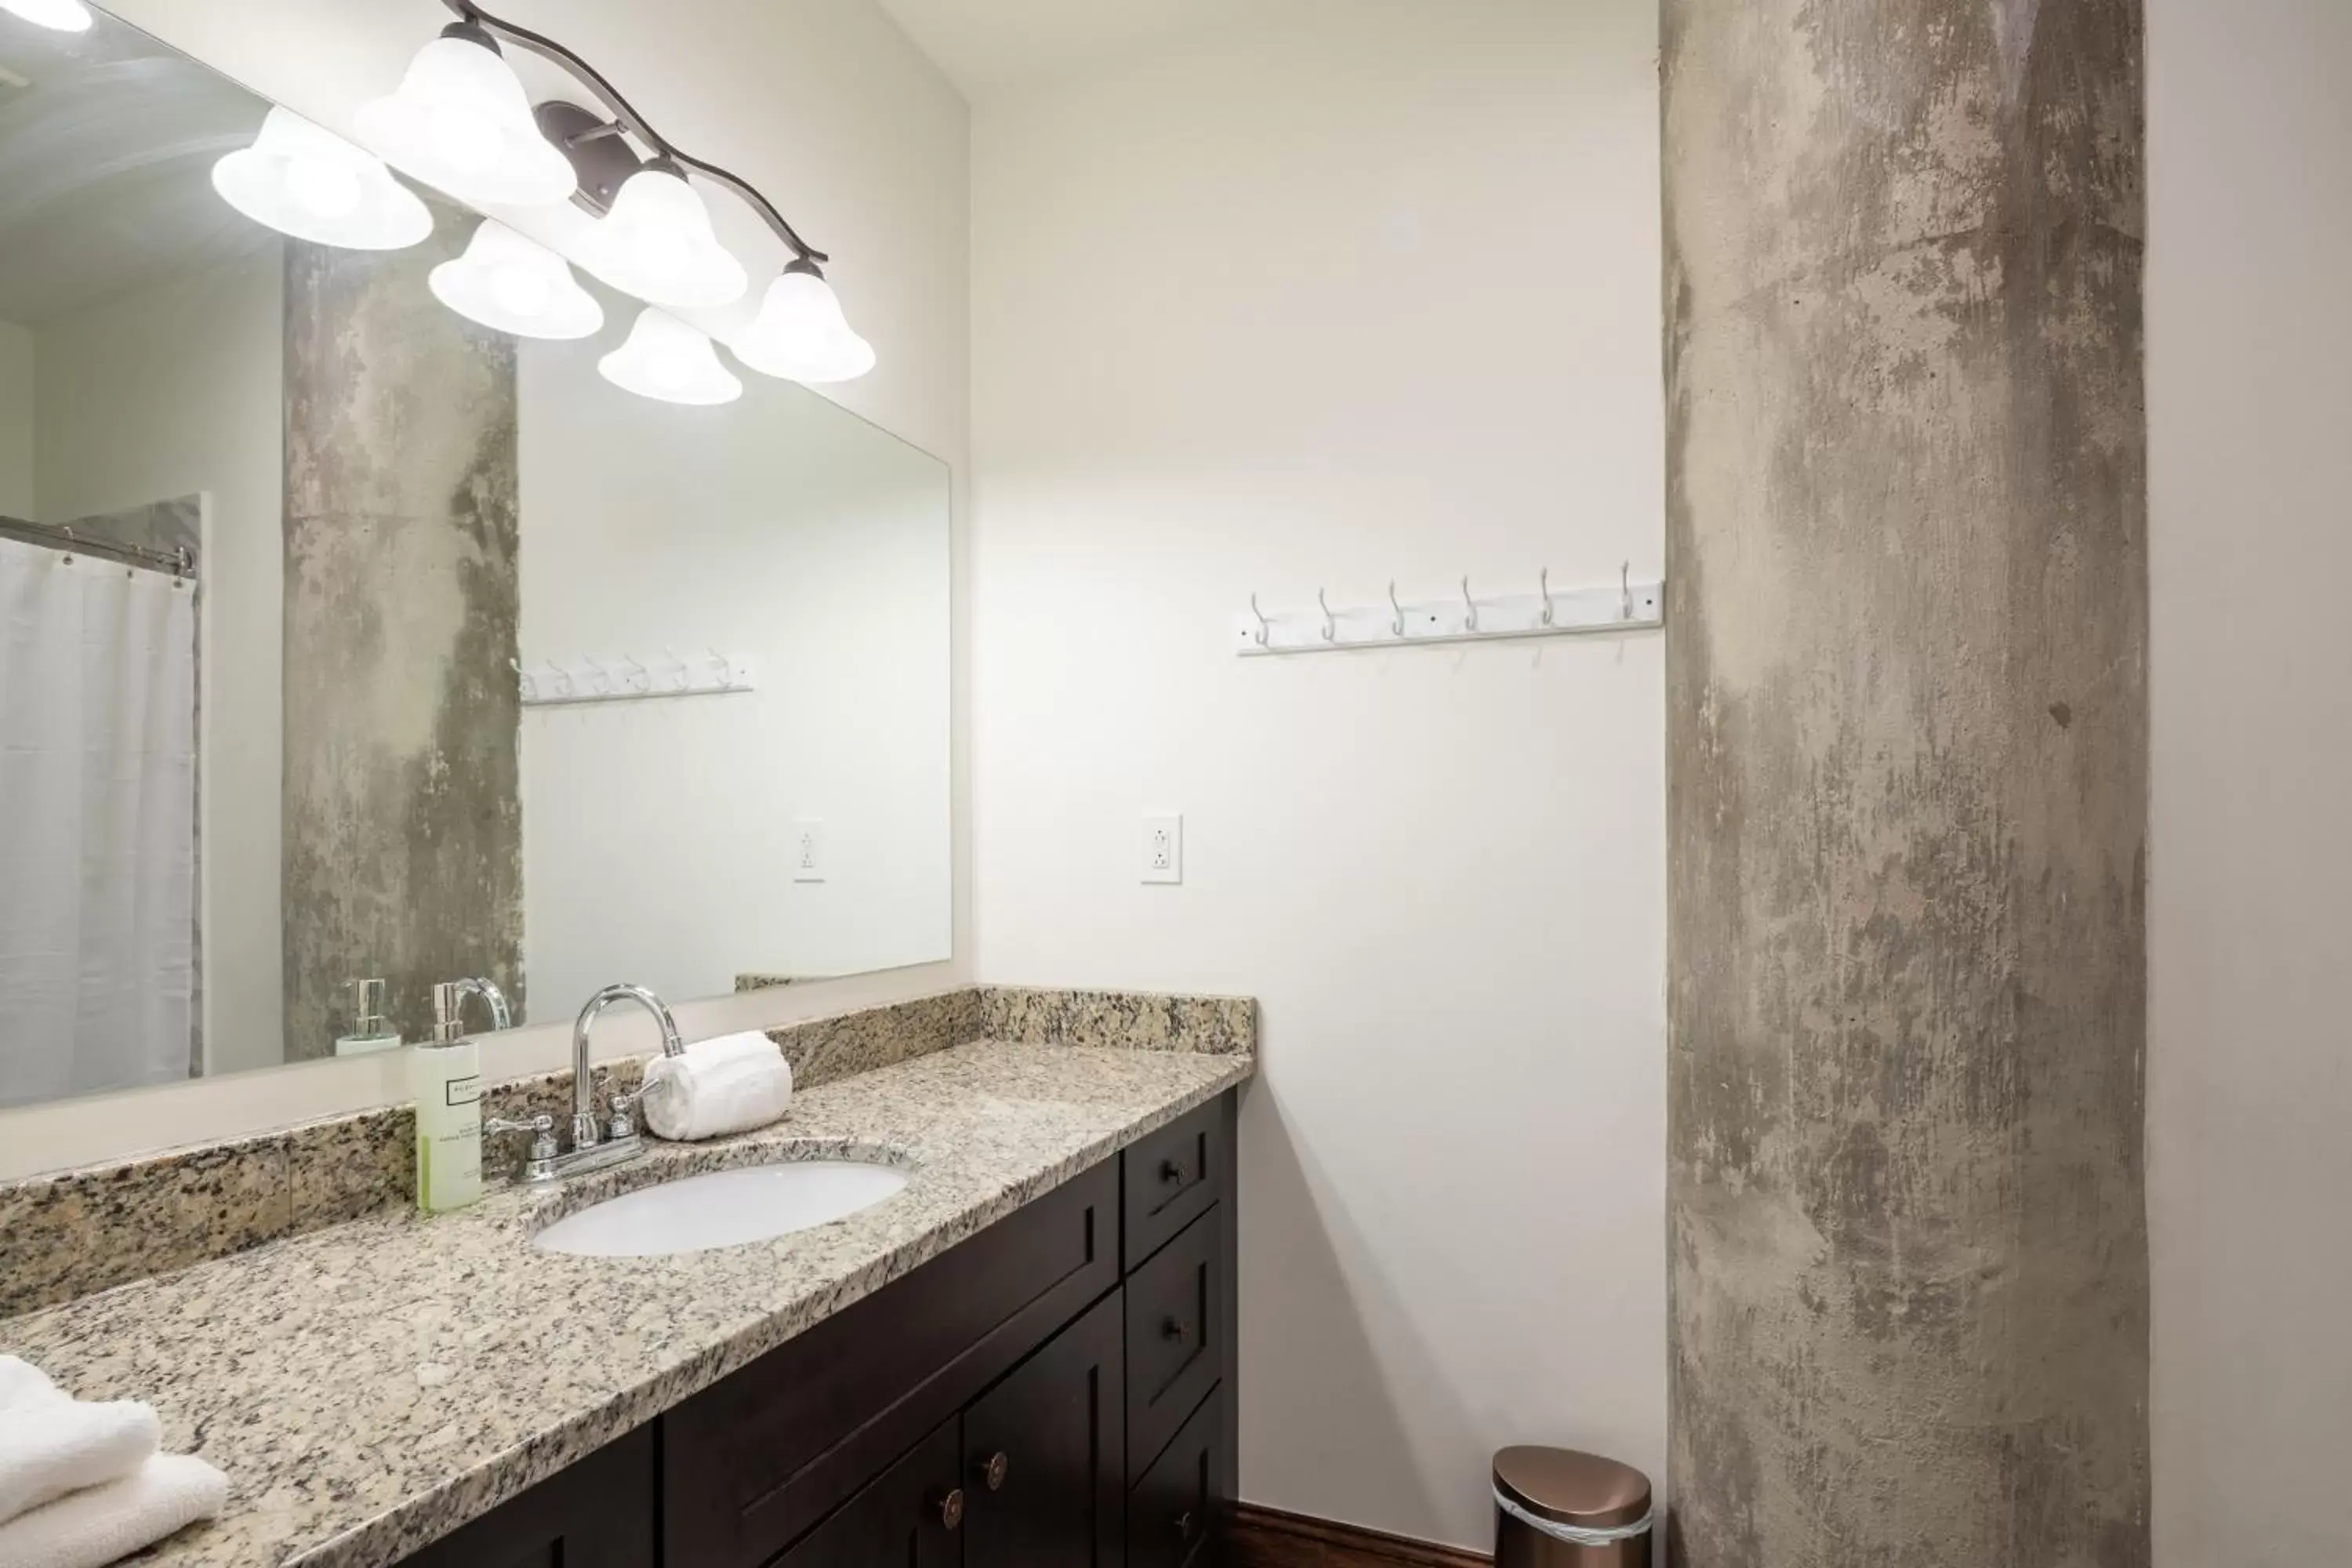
97, 825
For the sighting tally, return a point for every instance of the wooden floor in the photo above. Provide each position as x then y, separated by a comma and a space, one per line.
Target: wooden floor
1268, 1538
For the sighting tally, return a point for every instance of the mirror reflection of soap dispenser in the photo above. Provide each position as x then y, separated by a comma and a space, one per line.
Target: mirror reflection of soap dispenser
371, 1030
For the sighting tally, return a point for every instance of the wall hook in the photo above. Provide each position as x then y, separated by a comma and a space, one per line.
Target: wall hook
1625, 591
1470, 605
527, 682
1396, 627
1264, 627
1331, 626
1543, 580
640, 678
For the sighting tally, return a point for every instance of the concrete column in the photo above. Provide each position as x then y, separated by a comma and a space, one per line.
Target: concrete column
403, 802
1908, 777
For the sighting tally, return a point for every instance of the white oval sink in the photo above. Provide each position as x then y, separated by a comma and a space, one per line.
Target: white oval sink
722, 1209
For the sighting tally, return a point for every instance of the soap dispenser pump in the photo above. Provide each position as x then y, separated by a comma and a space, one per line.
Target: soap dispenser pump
370, 1031
447, 1077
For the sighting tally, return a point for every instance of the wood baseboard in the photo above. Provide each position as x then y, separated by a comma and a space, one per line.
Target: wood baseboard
1269, 1538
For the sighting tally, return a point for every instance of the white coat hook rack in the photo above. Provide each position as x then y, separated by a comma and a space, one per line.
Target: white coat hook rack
577, 683
1548, 612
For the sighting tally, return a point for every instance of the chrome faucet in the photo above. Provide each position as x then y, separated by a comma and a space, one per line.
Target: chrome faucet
593, 1147
449, 1004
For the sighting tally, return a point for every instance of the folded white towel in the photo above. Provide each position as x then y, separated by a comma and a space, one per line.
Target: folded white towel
21, 1382
51, 1444
731, 1084
98, 1525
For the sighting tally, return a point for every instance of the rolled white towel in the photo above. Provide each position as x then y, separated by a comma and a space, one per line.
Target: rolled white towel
99, 1525
731, 1084
51, 1444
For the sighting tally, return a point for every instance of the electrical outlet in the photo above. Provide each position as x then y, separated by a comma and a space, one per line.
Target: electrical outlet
808, 850
1163, 849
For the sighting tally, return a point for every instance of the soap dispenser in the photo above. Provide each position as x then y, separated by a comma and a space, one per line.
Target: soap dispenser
447, 1077
370, 1031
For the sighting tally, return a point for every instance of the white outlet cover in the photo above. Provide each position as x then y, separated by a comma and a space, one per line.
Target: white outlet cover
1163, 848
808, 849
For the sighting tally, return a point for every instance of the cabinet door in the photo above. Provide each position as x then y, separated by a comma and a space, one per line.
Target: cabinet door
1045, 1454
597, 1514
911, 1516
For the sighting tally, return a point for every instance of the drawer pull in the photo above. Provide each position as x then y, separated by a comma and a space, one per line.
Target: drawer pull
1171, 1173
1174, 1331
993, 1470
1184, 1522
951, 1508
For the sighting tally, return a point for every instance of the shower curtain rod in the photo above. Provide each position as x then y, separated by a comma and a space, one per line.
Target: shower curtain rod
179, 563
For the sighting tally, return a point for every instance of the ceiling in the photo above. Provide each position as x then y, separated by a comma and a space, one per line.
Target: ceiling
987, 47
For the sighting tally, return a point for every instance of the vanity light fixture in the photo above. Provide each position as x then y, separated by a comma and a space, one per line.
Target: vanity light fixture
516, 284
658, 244
670, 361
461, 121
64, 16
304, 180
801, 333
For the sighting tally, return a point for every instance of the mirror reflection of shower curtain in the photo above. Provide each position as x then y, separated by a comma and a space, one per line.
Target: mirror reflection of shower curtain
97, 825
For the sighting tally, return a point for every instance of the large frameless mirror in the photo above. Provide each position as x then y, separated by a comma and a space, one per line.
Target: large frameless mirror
347, 639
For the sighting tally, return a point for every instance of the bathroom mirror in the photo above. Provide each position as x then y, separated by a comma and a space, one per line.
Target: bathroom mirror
344, 639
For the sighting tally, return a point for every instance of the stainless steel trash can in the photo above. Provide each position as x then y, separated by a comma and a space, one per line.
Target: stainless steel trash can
1555, 1507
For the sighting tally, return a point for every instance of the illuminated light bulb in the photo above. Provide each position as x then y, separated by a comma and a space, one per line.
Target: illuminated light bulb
515, 285
658, 244
460, 121
801, 333
64, 16
306, 181
666, 360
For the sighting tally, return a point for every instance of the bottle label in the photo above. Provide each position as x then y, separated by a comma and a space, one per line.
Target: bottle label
461, 1090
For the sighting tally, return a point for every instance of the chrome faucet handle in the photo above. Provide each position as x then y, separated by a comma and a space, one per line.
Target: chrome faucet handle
541, 1129
623, 1125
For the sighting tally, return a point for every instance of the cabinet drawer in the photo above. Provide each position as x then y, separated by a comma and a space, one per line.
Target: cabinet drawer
750, 1464
598, 1515
1174, 1175
1175, 1337
1179, 1505
908, 1518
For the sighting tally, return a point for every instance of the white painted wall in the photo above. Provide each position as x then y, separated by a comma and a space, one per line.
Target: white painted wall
1368, 289
15, 422
2250, 1077
779, 530
823, 103
178, 389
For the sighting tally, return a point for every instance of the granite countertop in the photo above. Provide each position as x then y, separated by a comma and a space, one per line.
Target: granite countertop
369, 1387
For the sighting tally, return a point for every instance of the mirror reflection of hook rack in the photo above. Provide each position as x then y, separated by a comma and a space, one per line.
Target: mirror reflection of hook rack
581, 681
1624, 605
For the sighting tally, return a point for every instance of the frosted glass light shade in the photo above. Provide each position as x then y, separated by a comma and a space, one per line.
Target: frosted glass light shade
516, 284
670, 361
801, 335
460, 121
64, 16
304, 180
658, 244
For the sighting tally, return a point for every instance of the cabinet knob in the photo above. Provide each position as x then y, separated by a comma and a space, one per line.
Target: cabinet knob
1174, 1331
1170, 1172
951, 1508
993, 1470
1184, 1522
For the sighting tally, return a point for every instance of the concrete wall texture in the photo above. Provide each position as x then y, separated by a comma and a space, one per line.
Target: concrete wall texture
403, 595
1907, 758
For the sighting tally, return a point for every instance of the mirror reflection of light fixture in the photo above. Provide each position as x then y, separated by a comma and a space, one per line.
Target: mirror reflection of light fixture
801, 333
64, 16
516, 284
461, 121
666, 360
304, 180
658, 244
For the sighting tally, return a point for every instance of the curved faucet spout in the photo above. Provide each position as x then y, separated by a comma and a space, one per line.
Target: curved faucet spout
585, 1132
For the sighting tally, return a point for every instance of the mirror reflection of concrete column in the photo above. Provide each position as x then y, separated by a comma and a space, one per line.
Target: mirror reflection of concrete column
403, 813
1908, 774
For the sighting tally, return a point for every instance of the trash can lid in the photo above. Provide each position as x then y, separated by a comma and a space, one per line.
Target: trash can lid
1569, 1488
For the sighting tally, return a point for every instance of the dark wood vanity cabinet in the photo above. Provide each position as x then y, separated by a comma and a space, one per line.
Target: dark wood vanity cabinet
1055, 1391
